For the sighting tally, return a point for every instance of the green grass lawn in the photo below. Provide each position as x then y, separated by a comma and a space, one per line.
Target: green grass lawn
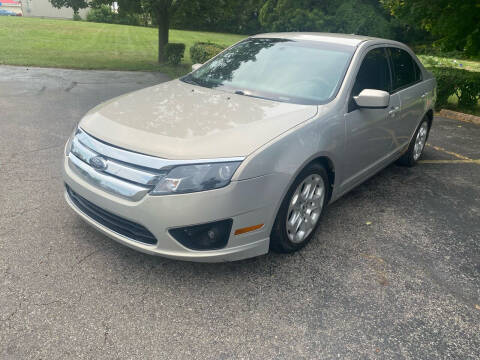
443, 61
86, 45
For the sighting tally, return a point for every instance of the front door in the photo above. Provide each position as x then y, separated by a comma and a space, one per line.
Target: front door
370, 132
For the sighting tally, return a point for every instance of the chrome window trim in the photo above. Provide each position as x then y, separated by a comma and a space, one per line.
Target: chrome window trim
139, 159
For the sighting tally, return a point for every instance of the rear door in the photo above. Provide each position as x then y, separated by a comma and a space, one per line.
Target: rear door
407, 84
370, 132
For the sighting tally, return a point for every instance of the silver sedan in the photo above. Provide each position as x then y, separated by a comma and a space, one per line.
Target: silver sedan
243, 154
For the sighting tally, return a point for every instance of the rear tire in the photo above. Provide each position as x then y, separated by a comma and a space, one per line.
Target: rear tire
301, 210
416, 146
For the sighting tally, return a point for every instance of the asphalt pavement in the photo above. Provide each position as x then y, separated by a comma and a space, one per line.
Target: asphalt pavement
393, 271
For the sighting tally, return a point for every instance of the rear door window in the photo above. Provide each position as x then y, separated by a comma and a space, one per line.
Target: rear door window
404, 71
418, 72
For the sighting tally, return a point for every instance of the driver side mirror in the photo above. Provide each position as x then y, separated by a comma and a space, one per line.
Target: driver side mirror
196, 66
372, 99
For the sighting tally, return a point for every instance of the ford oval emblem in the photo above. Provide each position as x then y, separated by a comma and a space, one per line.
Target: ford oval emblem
98, 163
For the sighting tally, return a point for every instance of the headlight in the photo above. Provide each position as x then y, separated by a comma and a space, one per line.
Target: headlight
193, 178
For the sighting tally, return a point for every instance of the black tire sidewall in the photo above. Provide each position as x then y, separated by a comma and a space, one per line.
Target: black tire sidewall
407, 158
279, 240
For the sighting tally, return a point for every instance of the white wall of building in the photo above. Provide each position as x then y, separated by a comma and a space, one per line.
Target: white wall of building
43, 8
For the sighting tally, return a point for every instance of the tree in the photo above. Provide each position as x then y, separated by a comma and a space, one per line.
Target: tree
364, 17
455, 24
293, 15
75, 5
231, 16
159, 10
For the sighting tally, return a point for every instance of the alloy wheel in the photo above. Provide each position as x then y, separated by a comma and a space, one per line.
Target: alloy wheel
305, 208
420, 141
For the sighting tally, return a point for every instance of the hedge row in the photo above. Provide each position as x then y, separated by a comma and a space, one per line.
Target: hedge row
462, 83
104, 14
201, 52
174, 53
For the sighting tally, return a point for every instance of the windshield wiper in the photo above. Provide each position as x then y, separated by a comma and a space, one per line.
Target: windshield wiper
274, 98
191, 80
246, 93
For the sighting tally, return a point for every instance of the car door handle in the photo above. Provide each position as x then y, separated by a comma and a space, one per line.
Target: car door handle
393, 110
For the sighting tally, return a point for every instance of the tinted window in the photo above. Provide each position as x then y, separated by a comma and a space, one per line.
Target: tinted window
403, 68
279, 69
373, 73
418, 72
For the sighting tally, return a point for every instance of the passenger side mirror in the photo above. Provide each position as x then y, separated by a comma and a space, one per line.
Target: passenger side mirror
196, 66
372, 99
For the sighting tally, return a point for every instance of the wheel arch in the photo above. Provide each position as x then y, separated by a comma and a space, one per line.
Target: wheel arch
329, 166
322, 159
325, 162
429, 116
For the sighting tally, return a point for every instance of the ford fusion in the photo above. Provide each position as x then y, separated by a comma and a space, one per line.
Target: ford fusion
243, 154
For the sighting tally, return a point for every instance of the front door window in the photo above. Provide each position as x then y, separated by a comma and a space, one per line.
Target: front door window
374, 72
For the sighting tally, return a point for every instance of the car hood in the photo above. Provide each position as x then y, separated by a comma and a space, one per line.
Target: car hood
176, 120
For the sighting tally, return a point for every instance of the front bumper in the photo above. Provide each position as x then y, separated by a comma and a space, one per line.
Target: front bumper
247, 203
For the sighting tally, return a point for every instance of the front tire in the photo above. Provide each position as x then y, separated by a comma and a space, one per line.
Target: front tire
301, 210
415, 149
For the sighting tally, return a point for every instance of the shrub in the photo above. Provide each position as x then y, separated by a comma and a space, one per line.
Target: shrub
127, 19
462, 83
102, 14
77, 17
174, 53
201, 52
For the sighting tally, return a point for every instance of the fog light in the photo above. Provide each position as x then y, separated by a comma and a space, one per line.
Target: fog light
210, 236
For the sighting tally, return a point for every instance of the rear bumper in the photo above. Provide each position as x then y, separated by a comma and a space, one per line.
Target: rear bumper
247, 203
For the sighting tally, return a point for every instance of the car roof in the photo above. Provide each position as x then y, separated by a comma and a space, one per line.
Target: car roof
345, 39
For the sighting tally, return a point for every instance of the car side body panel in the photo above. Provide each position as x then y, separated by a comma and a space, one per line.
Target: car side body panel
322, 137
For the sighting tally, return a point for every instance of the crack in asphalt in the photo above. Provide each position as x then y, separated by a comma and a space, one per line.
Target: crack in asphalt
105, 332
48, 303
87, 256
12, 315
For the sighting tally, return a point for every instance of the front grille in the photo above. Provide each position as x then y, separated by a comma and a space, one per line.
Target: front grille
115, 223
120, 172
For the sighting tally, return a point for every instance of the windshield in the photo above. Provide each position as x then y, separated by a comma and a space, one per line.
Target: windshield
305, 72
